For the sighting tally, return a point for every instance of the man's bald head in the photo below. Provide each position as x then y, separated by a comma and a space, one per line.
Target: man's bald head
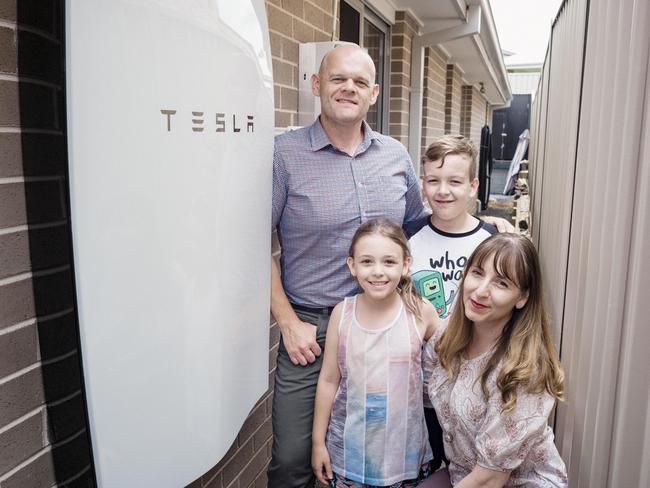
346, 86
345, 51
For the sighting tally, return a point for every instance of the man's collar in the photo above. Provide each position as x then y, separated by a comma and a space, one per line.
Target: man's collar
319, 139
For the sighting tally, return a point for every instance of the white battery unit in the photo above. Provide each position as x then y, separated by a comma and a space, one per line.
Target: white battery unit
311, 54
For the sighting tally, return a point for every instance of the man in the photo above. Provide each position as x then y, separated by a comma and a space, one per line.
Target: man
328, 178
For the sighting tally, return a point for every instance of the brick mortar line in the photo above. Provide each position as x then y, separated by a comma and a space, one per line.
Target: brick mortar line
22, 418
266, 419
76, 476
33, 274
29, 179
37, 364
285, 61
26, 79
34, 320
294, 16
40, 409
64, 399
22, 228
21, 130
26, 28
40, 453
280, 85
255, 453
244, 441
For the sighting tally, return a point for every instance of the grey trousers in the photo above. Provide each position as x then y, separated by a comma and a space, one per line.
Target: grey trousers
293, 413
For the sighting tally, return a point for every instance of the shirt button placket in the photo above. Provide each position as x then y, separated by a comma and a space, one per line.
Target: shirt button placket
361, 190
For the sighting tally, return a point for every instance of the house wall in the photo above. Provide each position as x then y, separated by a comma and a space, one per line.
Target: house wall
43, 436
477, 115
402, 34
453, 99
433, 96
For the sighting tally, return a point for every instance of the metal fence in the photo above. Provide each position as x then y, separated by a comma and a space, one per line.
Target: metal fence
590, 177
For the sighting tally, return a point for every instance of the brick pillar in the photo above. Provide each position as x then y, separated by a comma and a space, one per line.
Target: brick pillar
466, 110
453, 95
478, 115
43, 436
433, 98
403, 31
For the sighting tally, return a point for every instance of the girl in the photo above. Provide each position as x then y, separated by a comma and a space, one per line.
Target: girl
495, 374
371, 379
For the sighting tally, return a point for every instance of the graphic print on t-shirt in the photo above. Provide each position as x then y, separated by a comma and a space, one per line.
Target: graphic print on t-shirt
439, 259
429, 285
439, 284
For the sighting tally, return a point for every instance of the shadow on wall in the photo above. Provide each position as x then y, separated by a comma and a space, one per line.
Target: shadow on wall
41, 146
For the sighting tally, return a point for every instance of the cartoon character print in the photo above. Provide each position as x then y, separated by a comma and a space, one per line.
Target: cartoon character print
430, 285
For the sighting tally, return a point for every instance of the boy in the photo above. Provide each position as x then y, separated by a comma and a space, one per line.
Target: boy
440, 250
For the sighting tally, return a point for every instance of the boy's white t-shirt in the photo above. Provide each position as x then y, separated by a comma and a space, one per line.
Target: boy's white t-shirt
439, 259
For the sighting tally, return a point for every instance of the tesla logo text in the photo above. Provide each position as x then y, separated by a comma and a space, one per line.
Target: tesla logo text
217, 122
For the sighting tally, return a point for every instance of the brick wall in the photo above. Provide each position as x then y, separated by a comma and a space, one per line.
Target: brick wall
290, 23
466, 110
478, 115
453, 96
474, 113
43, 436
402, 34
433, 96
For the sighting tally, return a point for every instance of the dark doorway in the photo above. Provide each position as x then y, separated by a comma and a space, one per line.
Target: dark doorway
507, 126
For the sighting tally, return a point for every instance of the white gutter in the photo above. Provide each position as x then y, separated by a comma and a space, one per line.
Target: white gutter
471, 27
501, 77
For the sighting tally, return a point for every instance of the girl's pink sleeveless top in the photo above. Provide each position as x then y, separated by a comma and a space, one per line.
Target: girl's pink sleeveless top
377, 433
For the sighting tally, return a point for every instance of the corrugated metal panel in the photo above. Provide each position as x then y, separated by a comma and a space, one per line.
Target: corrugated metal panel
600, 280
536, 154
600, 271
553, 218
523, 83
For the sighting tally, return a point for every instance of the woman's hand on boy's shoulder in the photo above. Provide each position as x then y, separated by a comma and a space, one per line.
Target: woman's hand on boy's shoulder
430, 318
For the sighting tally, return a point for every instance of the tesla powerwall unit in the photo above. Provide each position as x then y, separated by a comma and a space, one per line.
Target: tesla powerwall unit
170, 126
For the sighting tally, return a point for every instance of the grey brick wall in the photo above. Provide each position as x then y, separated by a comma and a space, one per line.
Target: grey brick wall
43, 437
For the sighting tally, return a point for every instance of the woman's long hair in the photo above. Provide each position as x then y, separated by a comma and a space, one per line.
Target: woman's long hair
524, 352
392, 231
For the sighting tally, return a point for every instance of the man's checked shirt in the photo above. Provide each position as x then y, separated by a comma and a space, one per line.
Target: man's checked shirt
320, 197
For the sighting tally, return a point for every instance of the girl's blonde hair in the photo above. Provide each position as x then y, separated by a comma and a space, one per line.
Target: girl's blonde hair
392, 231
525, 350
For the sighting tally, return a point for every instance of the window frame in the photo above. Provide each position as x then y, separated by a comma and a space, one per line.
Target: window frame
367, 13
